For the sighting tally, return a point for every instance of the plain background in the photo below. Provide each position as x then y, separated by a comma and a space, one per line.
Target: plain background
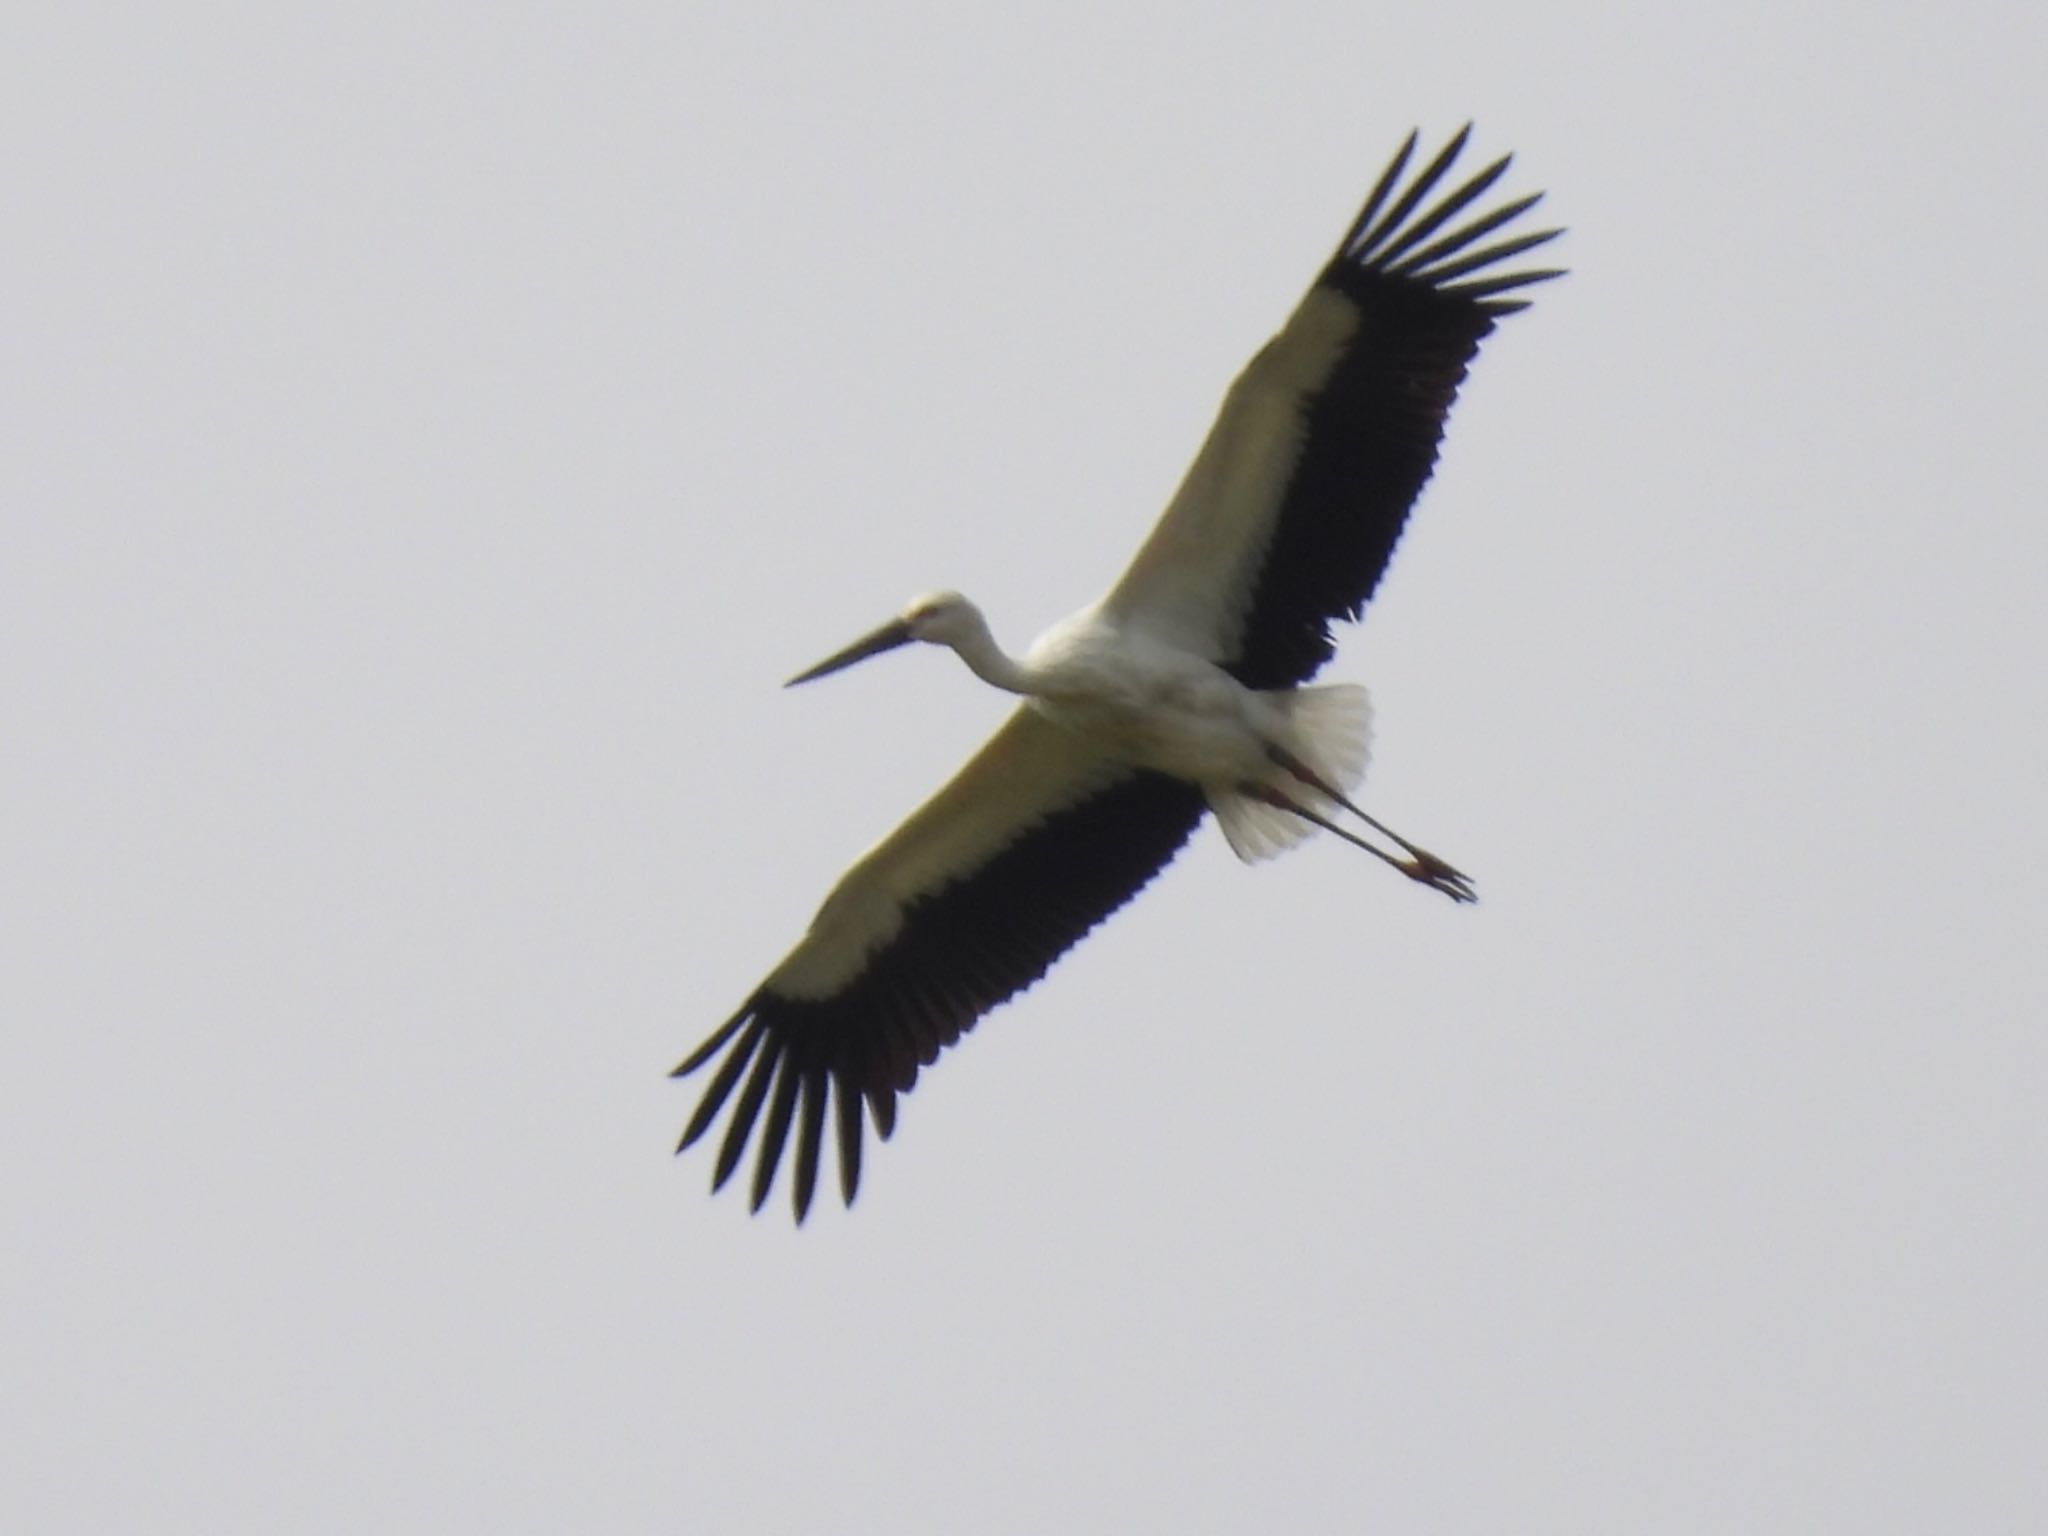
429, 436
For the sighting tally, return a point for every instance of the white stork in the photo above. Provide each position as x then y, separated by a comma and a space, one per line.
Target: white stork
1178, 692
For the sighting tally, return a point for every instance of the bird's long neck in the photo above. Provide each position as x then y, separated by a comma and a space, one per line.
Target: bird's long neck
989, 661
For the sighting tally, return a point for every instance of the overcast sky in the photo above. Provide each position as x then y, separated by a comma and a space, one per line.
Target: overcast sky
429, 435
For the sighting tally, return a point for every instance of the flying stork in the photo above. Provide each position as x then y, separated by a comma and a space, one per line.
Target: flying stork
1178, 692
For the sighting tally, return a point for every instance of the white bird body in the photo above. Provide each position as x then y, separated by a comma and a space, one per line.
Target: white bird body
1148, 702
1182, 690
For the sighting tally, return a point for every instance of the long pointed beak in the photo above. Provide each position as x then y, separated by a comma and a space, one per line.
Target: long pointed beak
892, 634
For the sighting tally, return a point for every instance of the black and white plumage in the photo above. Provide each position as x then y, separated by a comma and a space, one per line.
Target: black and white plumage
1178, 693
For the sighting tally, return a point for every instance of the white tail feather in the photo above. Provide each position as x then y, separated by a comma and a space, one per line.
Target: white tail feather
1330, 730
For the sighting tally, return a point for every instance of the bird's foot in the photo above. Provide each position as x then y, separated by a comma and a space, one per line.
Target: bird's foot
1437, 875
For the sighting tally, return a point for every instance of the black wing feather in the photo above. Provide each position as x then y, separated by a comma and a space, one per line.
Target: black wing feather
735, 1143
781, 1109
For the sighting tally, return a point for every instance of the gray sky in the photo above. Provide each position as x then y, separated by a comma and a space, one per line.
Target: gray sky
430, 436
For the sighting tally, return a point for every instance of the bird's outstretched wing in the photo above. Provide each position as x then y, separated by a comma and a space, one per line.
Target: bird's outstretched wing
1292, 508
1034, 842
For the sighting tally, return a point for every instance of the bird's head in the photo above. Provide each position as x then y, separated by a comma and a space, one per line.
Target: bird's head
937, 618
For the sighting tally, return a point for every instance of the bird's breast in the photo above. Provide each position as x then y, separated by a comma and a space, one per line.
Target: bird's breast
1176, 714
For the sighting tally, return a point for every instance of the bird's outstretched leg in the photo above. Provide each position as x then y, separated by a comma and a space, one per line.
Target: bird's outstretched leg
1420, 864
